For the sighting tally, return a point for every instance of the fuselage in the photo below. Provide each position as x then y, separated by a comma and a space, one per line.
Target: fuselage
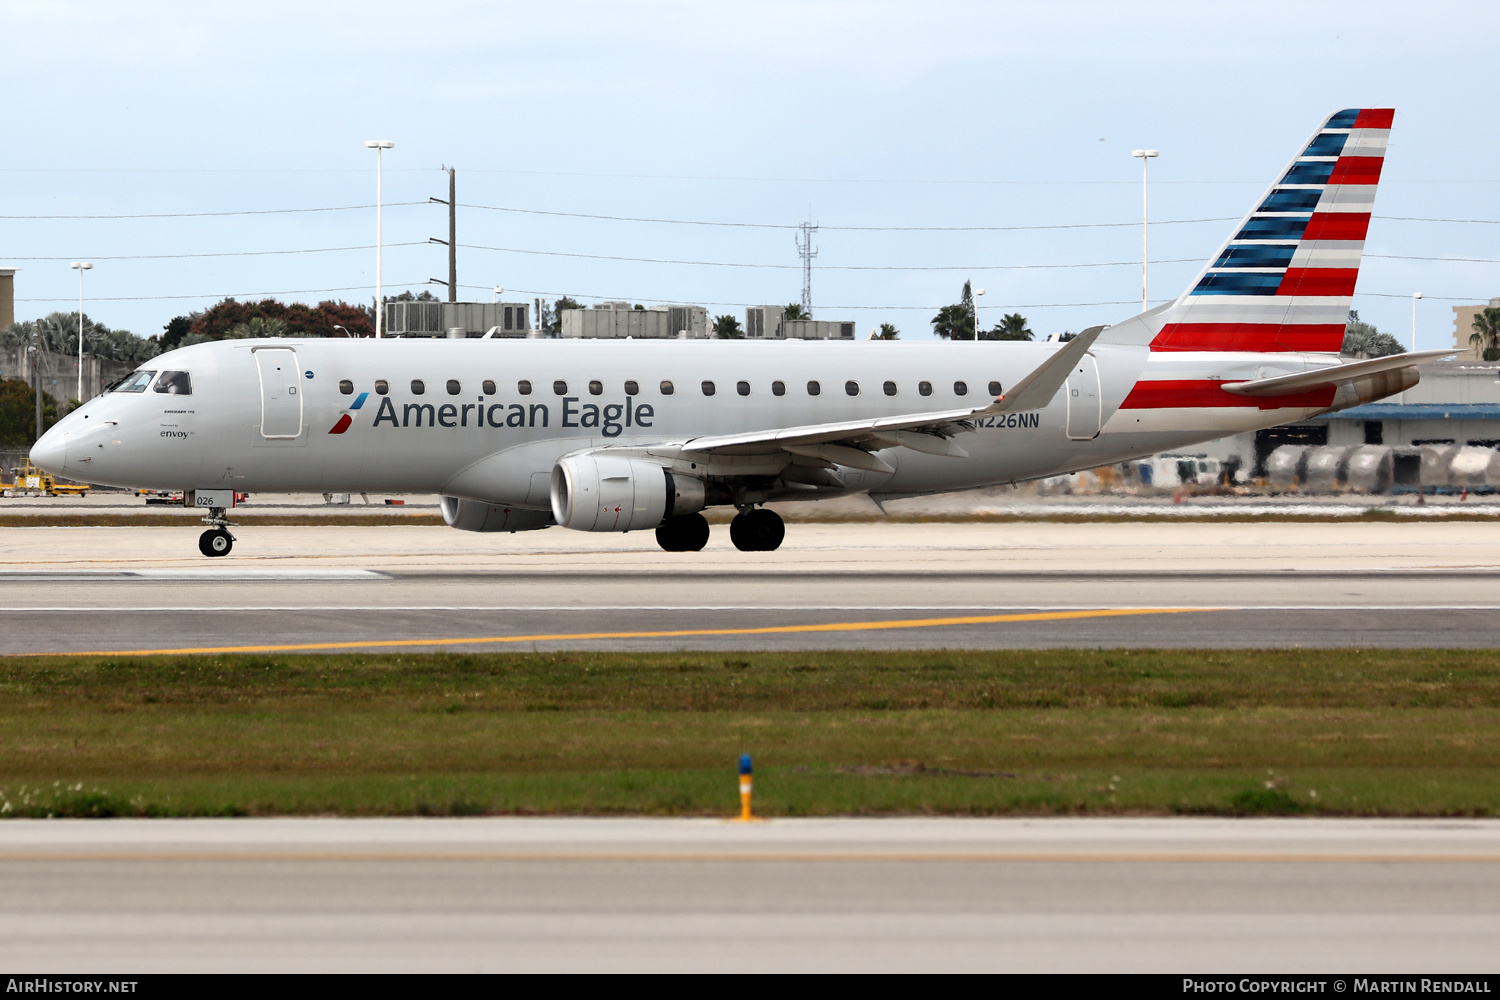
488, 419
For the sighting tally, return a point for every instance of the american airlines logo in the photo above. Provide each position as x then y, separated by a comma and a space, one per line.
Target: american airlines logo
345, 418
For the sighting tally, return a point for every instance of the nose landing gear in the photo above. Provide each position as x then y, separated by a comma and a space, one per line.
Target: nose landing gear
216, 541
757, 530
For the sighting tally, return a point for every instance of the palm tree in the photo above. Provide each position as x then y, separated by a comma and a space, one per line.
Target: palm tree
888, 331
795, 311
726, 327
258, 326
1486, 333
954, 322
1011, 327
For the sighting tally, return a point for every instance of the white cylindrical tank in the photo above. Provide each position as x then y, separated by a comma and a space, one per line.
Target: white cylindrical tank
1371, 469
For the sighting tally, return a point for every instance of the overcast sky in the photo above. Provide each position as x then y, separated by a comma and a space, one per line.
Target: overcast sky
922, 114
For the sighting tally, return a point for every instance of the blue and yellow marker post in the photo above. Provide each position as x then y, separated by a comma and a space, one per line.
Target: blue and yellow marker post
745, 786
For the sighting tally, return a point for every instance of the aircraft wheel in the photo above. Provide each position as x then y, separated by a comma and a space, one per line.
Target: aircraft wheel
688, 533
215, 542
757, 530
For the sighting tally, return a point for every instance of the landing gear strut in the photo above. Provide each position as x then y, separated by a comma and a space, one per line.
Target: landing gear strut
216, 541
687, 533
757, 530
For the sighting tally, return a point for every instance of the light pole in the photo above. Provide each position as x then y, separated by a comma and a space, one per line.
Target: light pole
80, 266
977, 292
380, 146
1146, 156
1414, 297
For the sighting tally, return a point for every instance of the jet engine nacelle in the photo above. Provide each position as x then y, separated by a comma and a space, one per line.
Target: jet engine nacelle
478, 515
605, 493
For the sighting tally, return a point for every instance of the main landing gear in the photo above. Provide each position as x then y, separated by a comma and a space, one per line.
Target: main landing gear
757, 530
687, 533
216, 541
752, 530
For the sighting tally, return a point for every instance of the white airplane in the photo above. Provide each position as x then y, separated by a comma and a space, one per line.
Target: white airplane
606, 435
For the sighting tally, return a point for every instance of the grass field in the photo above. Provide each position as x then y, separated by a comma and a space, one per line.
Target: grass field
971, 733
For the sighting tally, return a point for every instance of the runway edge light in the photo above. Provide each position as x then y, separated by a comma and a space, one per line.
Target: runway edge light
745, 784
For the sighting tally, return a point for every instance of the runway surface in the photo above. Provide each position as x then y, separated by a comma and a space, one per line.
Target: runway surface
792, 895
865, 586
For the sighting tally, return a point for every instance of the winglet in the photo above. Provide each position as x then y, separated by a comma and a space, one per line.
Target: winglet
1036, 390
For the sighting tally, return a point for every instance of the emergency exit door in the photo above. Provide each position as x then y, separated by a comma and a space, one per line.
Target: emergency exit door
280, 395
1083, 400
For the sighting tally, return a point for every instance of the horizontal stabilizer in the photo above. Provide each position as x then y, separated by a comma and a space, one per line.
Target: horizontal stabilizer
1333, 375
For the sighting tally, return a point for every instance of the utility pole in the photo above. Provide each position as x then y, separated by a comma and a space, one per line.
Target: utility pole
452, 240
807, 252
380, 146
1145, 156
36, 378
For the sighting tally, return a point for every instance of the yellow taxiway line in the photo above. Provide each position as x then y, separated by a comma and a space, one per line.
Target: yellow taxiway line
1040, 616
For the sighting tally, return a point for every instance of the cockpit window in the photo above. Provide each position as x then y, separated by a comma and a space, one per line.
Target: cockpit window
175, 383
136, 382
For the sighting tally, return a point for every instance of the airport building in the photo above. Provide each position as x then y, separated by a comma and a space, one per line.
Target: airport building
7, 296
457, 319
621, 320
770, 323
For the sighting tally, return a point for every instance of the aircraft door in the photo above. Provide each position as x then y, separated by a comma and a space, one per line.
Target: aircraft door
1084, 411
280, 395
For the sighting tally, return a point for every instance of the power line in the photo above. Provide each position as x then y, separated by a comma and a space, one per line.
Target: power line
213, 215
224, 295
1418, 218
829, 267
226, 253
850, 229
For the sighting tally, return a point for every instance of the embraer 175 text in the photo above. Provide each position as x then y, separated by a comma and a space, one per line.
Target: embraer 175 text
604, 435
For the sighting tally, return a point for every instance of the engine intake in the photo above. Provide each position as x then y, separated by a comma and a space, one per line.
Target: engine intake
605, 493
480, 515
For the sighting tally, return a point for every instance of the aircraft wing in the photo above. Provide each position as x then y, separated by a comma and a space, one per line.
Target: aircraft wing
1332, 375
846, 442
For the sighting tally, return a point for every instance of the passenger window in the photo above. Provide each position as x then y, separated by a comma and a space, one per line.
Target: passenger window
890, 388
632, 387
523, 387
994, 388
708, 388
743, 388
924, 388
813, 388
487, 387
382, 387
453, 387
960, 388
559, 388
346, 387
596, 388
175, 383
666, 388
418, 387
136, 382
851, 388
778, 388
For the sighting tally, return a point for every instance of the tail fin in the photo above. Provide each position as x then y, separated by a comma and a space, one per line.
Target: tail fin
1285, 280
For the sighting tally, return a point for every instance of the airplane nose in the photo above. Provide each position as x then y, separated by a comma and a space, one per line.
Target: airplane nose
51, 452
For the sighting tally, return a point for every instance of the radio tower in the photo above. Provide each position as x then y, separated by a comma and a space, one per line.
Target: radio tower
807, 252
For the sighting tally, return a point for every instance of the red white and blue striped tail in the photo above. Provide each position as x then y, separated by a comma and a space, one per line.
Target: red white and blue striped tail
1285, 280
